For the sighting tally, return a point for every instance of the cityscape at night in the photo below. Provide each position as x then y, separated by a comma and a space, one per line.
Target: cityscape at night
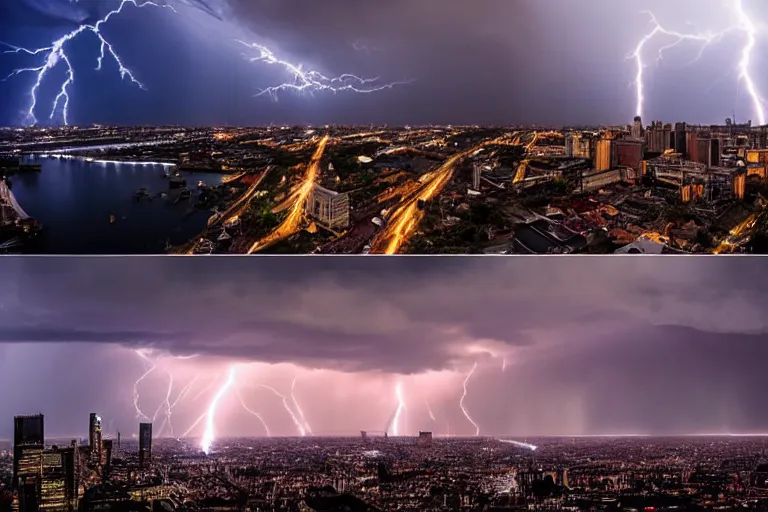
570, 202
410, 384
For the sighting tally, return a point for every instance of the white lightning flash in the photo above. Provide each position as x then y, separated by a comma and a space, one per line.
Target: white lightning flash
744, 25
298, 407
399, 410
139, 413
288, 409
254, 413
464, 395
313, 81
210, 416
55, 54
429, 410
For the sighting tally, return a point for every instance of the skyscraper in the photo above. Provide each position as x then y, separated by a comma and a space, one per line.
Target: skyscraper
637, 128
94, 438
28, 444
145, 444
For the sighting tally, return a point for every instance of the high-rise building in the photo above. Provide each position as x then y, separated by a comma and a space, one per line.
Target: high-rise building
53, 493
94, 438
145, 444
636, 132
603, 155
28, 444
680, 138
425, 438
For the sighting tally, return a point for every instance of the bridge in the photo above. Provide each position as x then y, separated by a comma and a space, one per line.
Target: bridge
8, 202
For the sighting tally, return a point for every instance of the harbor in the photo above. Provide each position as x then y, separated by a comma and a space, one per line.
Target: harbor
91, 206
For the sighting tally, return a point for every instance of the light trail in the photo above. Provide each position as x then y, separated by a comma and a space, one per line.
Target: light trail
313, 81
288, 409
210, 419
464, 395
298, 408
523, 166
293, 220
254, 413
527, 446
55, 54
744, 26
404, 220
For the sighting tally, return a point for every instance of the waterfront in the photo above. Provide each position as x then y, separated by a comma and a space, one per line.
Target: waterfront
74, 200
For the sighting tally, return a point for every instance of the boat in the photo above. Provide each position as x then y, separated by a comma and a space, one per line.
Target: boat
90, 160
201, 184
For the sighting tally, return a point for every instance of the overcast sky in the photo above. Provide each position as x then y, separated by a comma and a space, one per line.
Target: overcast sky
485, 61
562, 345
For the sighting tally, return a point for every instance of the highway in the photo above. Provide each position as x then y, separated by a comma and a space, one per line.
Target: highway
404, 220
292, 221
523, 167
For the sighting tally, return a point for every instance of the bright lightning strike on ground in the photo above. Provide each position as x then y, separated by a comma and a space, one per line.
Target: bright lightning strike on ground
744, 25
210, 419
399, 410
288, 409
313, 81
298, 407
55, 54
464, 395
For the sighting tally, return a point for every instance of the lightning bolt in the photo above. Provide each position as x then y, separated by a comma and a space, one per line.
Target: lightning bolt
464, 395
313, 81
744, 25
263, 423
55, 54
136, 397
210, 416
399, 410
429, 410
288, 409
298, 408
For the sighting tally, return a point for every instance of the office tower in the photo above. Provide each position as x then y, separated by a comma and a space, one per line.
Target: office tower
94, 438
53, 489
107, 455
28, 444
145, 444
637, 128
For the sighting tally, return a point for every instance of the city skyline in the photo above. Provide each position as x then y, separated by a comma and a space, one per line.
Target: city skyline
427, 52
576, 347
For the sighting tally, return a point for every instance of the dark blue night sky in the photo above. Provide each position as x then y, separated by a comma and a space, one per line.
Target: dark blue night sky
494, 61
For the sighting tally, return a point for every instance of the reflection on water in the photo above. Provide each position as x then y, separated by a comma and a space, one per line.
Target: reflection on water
90, 208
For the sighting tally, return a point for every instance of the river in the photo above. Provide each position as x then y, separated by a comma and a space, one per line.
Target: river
74, 200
